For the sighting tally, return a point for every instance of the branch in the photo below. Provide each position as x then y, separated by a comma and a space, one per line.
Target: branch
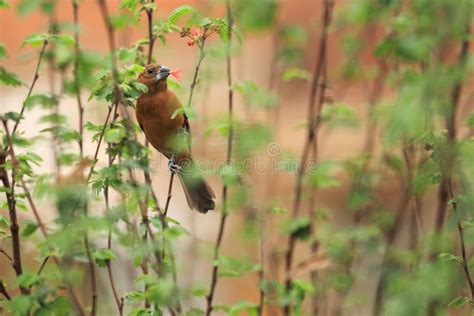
41, 225
11, 201
77, 52
2, 251
3, 290
451, 125
230, 137
33, 83
92, 273
314, 111
151, 37
185, 122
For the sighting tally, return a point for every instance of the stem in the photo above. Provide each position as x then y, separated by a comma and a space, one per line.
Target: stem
42, 265
452, 132
92, 273
6, 255
185, 122
11, 201
465, 261
230, 137
4, 291
314, 121
99, 141
33, 83
77, 51
151, 37
41, 225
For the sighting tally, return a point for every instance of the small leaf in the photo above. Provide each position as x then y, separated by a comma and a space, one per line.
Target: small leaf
459, 302
295, 73
114, 135
4, 4
4, 222
29, 228
9, 78
300, 227
3, 51
103, 256
180, 12
450, 257
35, 39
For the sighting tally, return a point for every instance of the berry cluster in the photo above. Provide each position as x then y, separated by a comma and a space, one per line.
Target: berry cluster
197, 36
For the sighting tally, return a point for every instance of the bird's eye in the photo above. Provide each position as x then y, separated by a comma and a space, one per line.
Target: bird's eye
149, 71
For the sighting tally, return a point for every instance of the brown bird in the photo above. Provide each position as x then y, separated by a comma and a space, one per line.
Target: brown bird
171, 137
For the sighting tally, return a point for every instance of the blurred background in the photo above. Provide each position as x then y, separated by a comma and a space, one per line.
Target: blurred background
273, 67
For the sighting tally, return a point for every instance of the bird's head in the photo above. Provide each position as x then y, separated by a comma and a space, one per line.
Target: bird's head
154, 75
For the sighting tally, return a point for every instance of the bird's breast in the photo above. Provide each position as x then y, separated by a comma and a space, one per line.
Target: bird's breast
154, 116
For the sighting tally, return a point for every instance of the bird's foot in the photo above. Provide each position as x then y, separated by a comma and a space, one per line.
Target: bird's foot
174, 168
183, 132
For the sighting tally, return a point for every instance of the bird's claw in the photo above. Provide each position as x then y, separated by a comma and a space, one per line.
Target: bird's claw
183, 132
174, 168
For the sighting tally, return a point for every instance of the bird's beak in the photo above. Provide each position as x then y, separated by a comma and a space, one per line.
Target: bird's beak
163, 73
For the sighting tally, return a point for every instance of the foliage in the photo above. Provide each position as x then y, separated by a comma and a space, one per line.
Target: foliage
418, 135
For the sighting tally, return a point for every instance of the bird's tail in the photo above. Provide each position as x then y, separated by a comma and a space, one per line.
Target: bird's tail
198, 193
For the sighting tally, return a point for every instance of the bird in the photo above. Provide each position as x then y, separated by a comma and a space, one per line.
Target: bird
170, 134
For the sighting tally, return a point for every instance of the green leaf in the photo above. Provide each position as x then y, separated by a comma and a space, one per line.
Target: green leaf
239, 308
459, 302
65, 39
200, 292
20, 305
35, 40
175, 232
46, 101
322, 174
27, 6
3, 51
470, 120
299, 227
29, 227
4, 222
450, 257
180, 12
134, 297
339, 115
229, 175
103, 256
114, 135
27, 279
12, 116
9, 78
295, 73
177, 112
235, 267
4, 4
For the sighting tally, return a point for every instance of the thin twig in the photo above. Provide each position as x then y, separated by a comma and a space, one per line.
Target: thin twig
41, 225
42, 265
11, 201
151, 36
4, 291
185, 122
6, 255
32, 85
313, 124
92, 273
452, 132
230, 137
77, 57
465, 260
